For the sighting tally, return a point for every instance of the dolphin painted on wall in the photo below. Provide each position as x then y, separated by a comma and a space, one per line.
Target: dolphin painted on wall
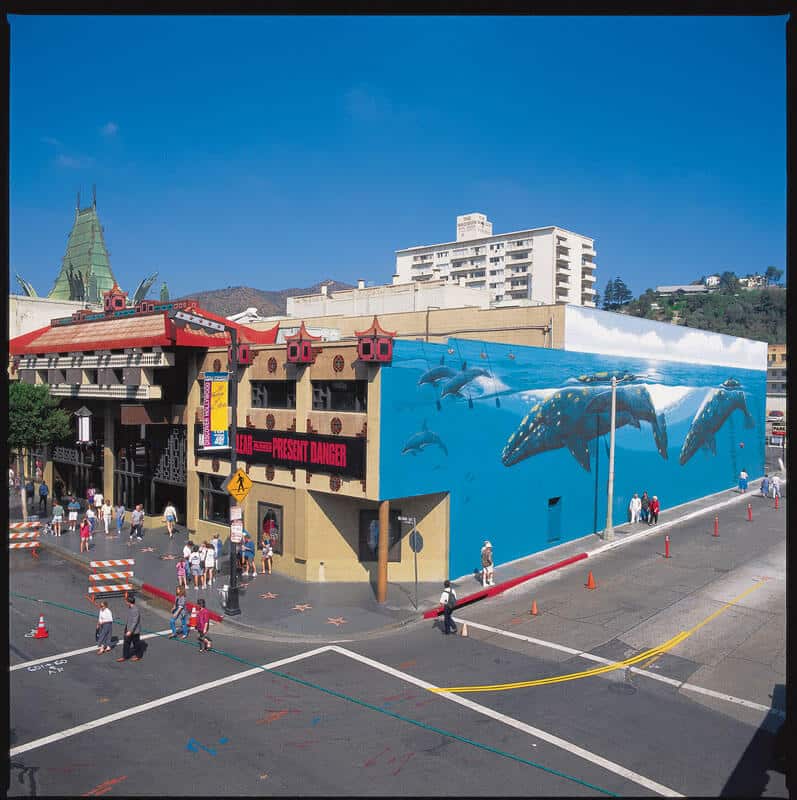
436, 374
715, 409
454, 386
575, 417
419, 441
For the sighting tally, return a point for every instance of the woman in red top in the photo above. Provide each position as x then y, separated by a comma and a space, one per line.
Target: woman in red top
654, 510
203, 626
85, 532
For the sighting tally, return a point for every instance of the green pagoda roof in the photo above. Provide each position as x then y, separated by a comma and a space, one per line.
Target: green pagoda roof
87, 256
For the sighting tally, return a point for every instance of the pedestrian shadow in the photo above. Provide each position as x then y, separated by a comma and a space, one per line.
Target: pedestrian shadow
766, 753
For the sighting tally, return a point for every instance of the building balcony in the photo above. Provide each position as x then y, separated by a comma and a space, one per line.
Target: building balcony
117, 392
109, 360
587, 278
513, 247
588, 251
561, 290
588, 291
560, 259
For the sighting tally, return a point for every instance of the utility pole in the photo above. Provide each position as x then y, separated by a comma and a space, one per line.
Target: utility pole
233, 607
608, 532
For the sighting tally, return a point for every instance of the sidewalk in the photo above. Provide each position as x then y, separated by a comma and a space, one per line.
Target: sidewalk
340, 611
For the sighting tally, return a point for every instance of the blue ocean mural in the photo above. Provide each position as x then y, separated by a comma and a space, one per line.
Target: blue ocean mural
519, 438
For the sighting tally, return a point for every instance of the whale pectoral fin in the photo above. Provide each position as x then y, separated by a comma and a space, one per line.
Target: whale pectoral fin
581, 452
443, 448
749, 422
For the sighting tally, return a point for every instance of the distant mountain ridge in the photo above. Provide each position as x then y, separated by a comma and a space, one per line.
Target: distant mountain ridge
234, 299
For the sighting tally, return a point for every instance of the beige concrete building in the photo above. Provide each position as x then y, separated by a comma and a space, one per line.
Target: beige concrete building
26, 314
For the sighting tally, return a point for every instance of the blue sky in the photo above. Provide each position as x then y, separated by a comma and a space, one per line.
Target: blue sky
275, 152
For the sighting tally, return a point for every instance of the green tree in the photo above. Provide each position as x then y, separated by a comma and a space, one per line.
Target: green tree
608, 295
622, 294
34, 420
773, 275
729, 282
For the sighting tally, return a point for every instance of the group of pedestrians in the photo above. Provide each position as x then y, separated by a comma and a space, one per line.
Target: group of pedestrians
200, 561
770, 487
644, 509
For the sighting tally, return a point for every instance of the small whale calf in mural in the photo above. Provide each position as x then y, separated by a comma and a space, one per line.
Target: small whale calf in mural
730, 383
575, 417
454, 386
717, 406
436, 374
606, 377
421, 440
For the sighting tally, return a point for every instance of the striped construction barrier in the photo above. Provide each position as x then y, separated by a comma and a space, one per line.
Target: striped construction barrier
118, 588
23, 545
114, 562
16, 526
24, 535
32, 536
111, 576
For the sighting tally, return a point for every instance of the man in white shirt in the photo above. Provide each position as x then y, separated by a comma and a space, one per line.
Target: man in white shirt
448, 600
98, 501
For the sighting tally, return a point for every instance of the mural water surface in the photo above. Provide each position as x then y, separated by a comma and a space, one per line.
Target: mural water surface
519, 437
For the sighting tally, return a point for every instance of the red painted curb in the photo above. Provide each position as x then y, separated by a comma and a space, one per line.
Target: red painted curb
502, 587
154, 590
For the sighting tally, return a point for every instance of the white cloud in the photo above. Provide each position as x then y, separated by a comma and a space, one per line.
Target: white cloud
74, 162
109, 129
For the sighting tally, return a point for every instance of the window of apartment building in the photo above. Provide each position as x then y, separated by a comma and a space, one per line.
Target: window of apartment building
214, 502
496, 259
369, 535
340, 395
273, 394
442, 254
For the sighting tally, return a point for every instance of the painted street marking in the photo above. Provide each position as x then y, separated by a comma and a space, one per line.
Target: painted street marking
52, 667
336, 621
580, 752
104, 787
194, 746
162, 701
634, 670
76, 652
301, 607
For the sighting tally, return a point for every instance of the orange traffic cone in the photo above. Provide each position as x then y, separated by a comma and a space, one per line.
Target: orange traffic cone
41, 631
192, 619
534, 611
591, 581
464, 629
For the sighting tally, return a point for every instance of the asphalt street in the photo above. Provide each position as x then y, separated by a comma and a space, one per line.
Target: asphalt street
359, 718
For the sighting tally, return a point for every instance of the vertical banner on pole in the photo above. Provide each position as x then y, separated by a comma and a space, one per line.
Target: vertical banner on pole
215, 404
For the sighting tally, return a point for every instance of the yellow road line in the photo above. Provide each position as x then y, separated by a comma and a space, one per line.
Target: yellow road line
651, 654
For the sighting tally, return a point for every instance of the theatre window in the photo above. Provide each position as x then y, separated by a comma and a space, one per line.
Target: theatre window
369, 535
340, 395
273, 394
214, 502
269, 518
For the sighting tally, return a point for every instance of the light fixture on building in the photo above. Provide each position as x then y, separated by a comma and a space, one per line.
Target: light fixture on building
83, 425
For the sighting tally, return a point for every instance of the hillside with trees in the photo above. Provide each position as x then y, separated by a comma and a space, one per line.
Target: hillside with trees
732, 309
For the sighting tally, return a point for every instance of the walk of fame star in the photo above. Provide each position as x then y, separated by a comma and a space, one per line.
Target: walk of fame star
269, 596
302, 607
336, 621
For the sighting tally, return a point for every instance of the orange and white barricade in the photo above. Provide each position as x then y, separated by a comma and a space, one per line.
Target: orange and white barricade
126, 576
24, 540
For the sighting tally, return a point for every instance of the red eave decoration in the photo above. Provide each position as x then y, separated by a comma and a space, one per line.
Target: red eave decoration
300, 346
375, 330
302, 335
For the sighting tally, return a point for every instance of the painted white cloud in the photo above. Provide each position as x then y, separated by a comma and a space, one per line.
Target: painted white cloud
593, 331
109, 129
74, 162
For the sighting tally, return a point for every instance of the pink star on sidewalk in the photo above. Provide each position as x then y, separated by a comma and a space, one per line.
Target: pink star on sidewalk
302, 607
336, 621
269, 596
147, 550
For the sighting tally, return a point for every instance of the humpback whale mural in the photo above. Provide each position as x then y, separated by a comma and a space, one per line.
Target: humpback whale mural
424, 438
574, 417
717, 406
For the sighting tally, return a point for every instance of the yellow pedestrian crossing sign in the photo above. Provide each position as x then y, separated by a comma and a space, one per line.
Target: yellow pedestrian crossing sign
239, 485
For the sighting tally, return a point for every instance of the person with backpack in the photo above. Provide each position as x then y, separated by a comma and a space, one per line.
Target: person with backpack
448, 599
488, 578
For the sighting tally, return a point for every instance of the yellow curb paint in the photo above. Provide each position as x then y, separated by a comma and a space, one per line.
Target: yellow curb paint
651, 654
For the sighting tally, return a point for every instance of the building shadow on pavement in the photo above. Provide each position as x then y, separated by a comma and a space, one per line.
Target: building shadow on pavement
766, 753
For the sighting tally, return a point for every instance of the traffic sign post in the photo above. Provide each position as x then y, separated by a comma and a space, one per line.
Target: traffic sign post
416, 545
239, 485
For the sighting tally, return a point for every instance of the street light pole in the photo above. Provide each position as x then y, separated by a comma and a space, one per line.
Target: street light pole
608, 533
233, 607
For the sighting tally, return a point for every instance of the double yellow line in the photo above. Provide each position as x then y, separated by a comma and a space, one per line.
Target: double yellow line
652, 654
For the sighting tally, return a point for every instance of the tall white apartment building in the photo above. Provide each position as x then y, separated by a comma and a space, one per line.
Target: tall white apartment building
540, 265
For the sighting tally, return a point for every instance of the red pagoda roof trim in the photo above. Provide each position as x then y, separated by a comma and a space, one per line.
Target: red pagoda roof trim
145, 330
302, 335
375, 330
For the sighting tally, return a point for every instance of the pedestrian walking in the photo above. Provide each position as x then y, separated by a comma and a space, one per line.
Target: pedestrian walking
193, 562
132, 638
29, 492
266, 555
217, 545
58, 518
90, 494
654, 510
44, 491
104, 627
178, 614
58, 490
137, 522
210, 564
644, 510
120, 518
11, 479
448, 599
85, 532
73, 507
107, 515
743, 477
181, 564
487, 564
91, 516
775, 486
765, 486
99, 501
203, 626
170, 517
203, 551
249, 556
635, 507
